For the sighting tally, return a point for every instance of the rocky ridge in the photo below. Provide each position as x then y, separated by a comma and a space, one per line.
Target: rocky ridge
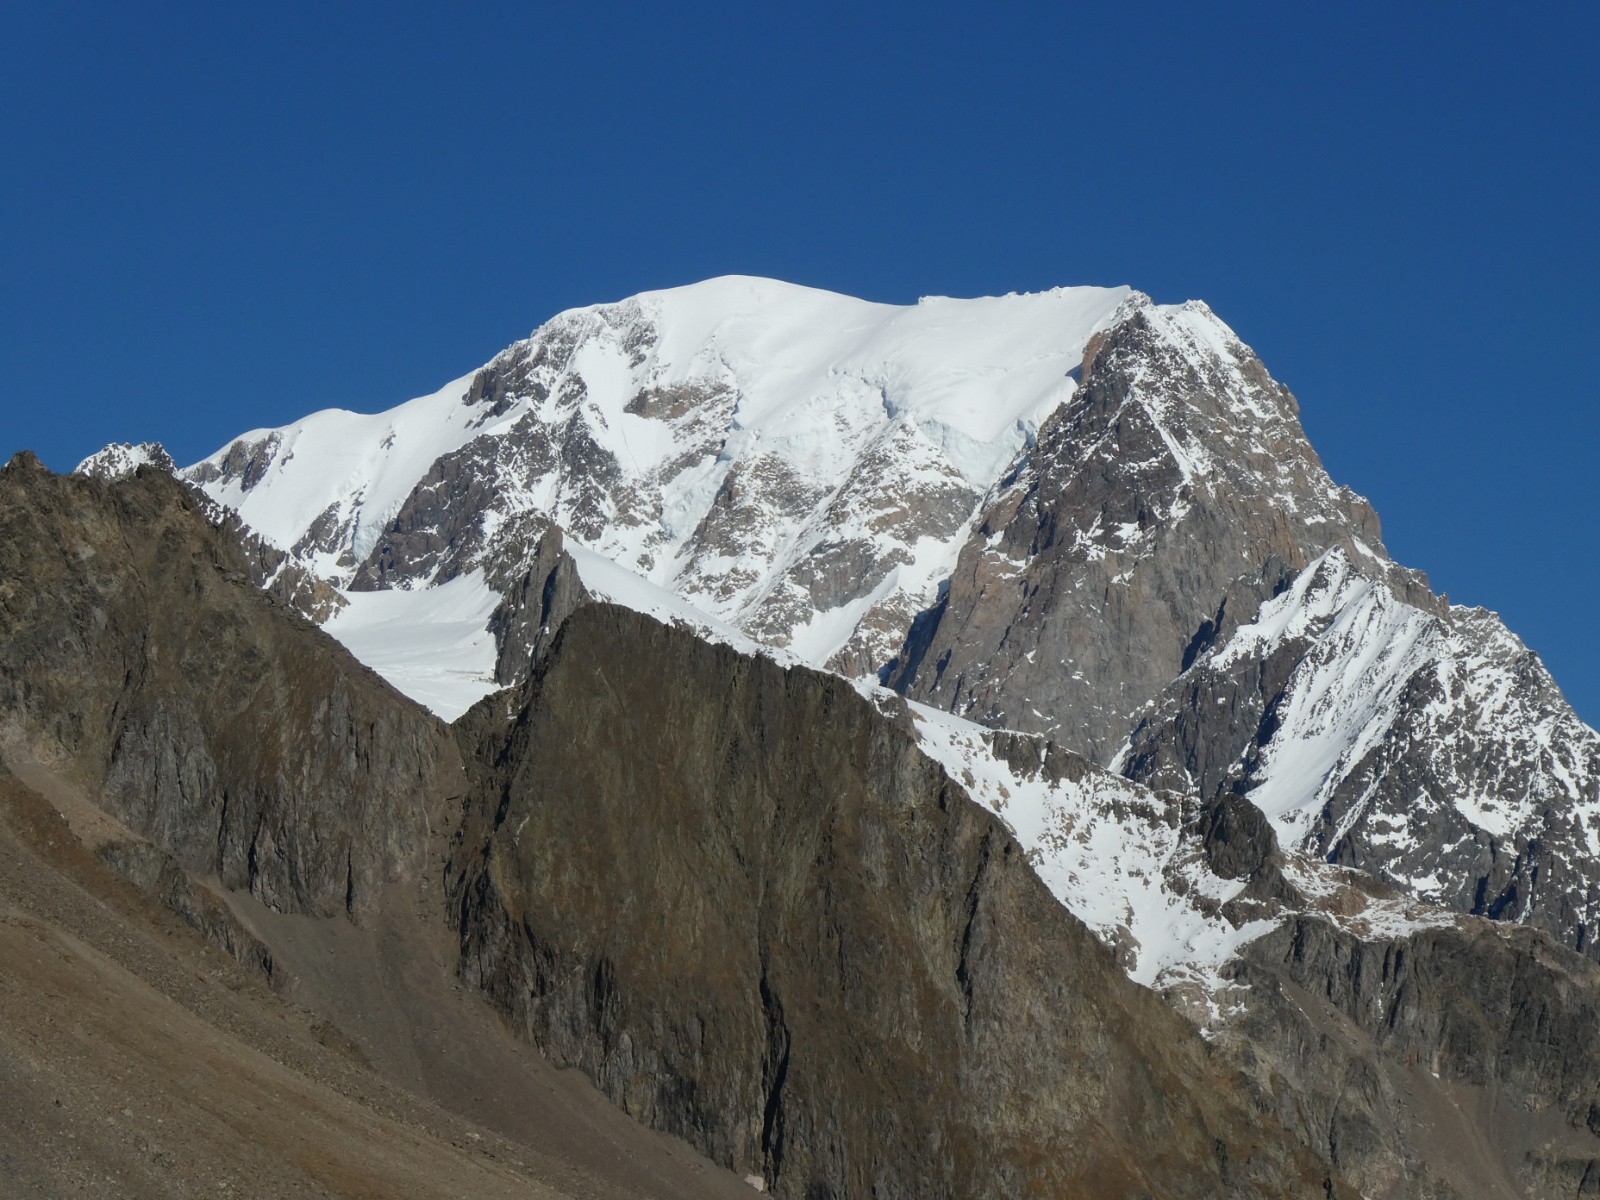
143, 658
760, 868
1326, 986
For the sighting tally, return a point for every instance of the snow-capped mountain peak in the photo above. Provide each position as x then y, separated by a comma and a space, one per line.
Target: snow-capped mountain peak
121, 459
1076, 514
798, 464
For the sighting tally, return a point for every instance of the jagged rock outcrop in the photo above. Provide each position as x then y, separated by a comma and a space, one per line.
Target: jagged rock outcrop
749, 908
534, 607
1429, 748
160, 876
207, 718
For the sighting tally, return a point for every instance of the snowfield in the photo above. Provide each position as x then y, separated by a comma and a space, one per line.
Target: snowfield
791, 462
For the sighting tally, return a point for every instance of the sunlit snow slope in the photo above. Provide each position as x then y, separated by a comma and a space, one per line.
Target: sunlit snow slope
799, 465
433, 644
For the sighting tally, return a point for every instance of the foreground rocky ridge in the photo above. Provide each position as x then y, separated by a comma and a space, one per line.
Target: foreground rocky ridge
138, 653
685, 900
684, 870
1423, 1058
182, 762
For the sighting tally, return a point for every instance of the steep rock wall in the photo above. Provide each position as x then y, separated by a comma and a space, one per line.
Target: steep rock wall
744, 903
205, 716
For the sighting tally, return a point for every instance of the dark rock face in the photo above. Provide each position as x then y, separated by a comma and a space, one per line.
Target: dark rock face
439, 531
245, 462
1445, 1059
1170, 496
208, 719
534, 608
747, 906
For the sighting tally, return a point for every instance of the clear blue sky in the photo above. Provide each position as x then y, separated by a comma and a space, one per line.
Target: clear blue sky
218, 216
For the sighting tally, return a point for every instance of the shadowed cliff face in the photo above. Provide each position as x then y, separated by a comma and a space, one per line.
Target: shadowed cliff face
742, 901
1453, 1062
134, 652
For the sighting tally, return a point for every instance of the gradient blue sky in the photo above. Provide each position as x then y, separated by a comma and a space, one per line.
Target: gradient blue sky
217, 218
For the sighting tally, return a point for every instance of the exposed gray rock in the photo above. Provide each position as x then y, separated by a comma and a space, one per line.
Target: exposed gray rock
1160, 505
534, 608
1458, 1061
245, 463
160, 876
1423, 1058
